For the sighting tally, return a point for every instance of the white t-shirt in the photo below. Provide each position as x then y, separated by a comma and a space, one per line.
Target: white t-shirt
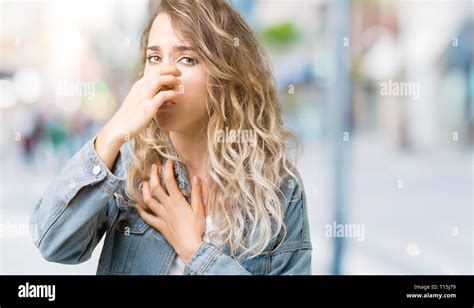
177, 266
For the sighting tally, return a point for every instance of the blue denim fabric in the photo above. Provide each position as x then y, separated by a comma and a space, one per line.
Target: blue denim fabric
86, 201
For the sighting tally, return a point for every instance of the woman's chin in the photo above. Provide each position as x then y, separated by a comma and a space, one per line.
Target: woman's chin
165, 121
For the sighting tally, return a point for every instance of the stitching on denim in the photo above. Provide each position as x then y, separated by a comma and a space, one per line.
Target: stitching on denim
168, 261
135, 253
50, 222
304, 247
207, 262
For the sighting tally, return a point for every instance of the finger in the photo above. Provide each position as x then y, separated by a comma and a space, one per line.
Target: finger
155, 185
153, 221
151, 76
138, 84
196, 196
169, 69
161, 97
170, 181
152, 204
153, 85
162, 70
144, 205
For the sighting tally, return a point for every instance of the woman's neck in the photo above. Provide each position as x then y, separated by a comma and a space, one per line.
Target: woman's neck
191, 148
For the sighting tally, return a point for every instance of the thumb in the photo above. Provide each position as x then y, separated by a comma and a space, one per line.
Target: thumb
196, 195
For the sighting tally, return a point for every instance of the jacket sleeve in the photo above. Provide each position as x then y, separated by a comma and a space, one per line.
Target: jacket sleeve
77, 207
292, 255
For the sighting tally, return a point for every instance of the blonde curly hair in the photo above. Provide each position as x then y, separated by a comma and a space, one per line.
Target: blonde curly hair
244, 178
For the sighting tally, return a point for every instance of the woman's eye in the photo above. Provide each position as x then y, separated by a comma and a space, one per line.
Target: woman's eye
154, 59
188, 60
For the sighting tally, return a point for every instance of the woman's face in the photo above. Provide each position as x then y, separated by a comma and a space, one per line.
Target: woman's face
166, 48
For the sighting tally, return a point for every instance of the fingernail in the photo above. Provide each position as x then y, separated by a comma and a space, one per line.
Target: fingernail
195, 180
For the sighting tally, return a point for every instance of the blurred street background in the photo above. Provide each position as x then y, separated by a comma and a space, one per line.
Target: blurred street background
380, 94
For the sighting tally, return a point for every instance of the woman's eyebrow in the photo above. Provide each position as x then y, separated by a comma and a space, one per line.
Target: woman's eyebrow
175, 48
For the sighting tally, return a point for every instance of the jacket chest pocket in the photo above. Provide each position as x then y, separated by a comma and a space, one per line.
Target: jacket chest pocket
131, 223
123, 242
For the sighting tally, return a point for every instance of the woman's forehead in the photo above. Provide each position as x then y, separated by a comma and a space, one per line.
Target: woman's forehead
163, 34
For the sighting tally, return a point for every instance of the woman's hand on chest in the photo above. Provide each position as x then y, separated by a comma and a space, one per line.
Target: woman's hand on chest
182, 224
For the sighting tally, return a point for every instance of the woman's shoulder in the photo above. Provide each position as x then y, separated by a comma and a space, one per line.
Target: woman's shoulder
292, 188
293, 197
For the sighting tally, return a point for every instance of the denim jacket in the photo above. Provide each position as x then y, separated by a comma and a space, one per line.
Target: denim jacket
87, 200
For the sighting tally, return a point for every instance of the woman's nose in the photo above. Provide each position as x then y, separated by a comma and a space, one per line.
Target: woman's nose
167, 61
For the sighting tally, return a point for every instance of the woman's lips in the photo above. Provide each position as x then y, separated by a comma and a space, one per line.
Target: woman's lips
167, 106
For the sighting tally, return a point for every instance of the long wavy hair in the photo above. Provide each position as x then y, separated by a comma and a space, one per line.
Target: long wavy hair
243, 178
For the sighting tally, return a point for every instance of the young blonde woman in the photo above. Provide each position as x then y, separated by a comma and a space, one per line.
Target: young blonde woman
205, 185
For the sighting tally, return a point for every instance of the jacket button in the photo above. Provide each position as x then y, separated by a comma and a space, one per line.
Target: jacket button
96, 170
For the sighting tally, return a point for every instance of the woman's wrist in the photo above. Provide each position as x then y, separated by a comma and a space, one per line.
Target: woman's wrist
188, 252
107, 147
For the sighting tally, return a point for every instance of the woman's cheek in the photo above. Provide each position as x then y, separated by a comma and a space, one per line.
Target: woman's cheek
147, 69
194, 84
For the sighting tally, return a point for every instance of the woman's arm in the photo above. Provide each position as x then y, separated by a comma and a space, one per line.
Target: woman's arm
72, 216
